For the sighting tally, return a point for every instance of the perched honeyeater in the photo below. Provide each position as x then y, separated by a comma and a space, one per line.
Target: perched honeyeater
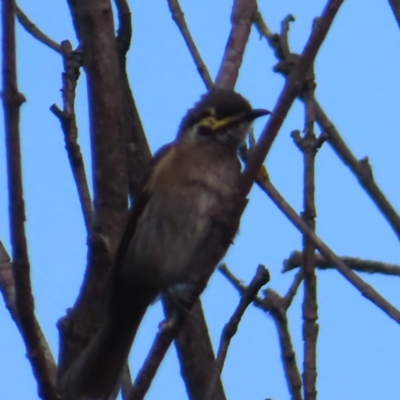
187, 185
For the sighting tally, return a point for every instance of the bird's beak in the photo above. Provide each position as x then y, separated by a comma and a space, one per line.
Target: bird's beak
255, 113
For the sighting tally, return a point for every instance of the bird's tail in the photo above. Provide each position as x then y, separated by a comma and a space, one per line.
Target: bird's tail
97, 370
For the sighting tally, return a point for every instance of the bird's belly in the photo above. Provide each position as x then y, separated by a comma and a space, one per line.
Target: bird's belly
167, 235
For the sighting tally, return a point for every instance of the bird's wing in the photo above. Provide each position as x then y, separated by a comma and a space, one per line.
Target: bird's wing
141, 198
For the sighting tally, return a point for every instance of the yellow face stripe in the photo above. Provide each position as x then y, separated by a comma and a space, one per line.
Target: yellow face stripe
213, 123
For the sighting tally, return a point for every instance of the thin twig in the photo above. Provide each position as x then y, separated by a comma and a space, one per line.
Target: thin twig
261, 278
360, 168
309, 145
43, 369
289, 92
138, 150
294, 287
365, 289
357, 264
72, 63
241, 19
179, 18
277, 306
35, 31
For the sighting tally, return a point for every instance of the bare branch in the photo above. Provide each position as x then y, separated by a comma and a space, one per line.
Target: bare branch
294, 287
366, 290
261, 278
360, 168
289, 92
35, 31
94, 24
243, 14
179, 18
309, 145
195, 352
43, 369
277, 306
168, 330
72, 63
358, 264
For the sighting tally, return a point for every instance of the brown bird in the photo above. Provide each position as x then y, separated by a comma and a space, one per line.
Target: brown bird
188, 184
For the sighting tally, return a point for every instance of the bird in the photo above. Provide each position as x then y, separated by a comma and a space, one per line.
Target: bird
186, 186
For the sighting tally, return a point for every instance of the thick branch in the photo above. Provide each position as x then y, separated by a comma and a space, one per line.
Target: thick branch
242, 17
94, 25
44, 369
195, 352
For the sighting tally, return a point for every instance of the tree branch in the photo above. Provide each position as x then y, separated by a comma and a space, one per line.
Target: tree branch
366, 290
179, 18
94, 24
277, 306
241, 19
124, 34
309, 145
43, 367
260, 279
372, 267
35, 31
72, 63
361, 169
289, 92
195, 352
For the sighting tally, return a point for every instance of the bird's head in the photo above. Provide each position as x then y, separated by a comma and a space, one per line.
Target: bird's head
221, 115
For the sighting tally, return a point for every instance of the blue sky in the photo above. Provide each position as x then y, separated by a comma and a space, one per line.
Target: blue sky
358, 86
